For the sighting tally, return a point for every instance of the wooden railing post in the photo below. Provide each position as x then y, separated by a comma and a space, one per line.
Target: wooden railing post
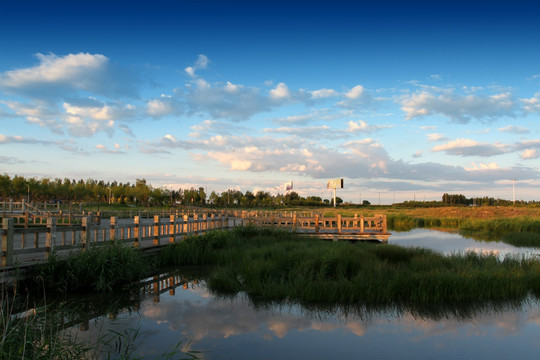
171, 228
362, 224
7, 241
85, 233
339, 223
157, 231
112, 231
204, 223
136, 231
50, 237
196, 223
185, 225
317, 224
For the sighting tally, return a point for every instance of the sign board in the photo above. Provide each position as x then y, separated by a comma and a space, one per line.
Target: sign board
334, 184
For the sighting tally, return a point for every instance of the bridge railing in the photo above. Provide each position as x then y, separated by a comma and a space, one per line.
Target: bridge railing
33, 244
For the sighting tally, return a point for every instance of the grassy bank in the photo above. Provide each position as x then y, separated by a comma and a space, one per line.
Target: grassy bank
272, 265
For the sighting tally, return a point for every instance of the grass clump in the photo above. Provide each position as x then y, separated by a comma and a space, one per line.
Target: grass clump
277, 266
101, 268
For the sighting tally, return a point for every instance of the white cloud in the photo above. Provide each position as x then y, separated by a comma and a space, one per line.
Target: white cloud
281, 91
355, 97
529, 154
482, 166
59, 76
515, 129
468, 147
436, 137
356, 92
323, 93
457, 107
201, 63
162, 106
532, 105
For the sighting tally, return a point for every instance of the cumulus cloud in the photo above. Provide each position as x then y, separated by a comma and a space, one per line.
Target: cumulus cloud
59, 76
468, 147
355, 97
436, 137
532, 105
201, 63
514, 129
220, 102
457, 107
280, 92
529, 154
323, 93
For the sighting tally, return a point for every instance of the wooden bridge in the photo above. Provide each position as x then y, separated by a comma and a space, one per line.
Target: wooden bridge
29, 238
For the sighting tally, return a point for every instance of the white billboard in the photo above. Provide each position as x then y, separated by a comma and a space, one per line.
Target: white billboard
334, 184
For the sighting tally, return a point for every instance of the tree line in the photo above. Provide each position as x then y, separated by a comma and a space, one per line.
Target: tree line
459, 199
140, 193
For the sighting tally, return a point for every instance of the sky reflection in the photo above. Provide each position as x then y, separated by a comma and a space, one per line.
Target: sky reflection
234, 328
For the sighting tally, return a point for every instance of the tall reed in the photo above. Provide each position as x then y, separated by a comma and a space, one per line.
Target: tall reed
101, 268
278, 266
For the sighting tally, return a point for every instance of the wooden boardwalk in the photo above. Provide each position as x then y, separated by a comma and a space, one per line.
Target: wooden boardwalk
29, 238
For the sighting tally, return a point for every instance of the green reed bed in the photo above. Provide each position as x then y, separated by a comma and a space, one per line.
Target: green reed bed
520, 239
490, 228
35, 334
276, 266
101, 268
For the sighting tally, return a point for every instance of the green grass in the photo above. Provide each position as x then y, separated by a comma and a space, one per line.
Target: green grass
101, 268
521, 239
497, 226
276, 266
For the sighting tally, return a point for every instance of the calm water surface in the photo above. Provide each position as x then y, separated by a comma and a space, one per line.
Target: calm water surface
234, 328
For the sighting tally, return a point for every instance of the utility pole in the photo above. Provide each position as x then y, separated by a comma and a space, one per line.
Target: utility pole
514, 191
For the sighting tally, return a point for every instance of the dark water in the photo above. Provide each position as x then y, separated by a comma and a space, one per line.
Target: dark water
164, 315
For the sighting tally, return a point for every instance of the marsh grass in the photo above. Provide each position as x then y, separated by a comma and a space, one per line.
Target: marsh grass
35, 333
277, 266
521, 239
100, 268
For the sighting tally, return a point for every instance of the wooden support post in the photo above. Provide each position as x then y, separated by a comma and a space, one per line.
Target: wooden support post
157, 231
339, 223
50, 237
112, 232
295, 221
85, 233
185, 226
205, 222
171, 228
196, 223
136, 231
7, 241
317, 224
362, 224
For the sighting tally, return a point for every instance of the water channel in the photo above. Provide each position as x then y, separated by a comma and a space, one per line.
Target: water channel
236, 328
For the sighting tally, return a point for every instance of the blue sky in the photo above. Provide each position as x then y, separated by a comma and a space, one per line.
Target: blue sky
404, 100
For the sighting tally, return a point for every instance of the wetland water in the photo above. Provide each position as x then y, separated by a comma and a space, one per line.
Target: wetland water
235, 328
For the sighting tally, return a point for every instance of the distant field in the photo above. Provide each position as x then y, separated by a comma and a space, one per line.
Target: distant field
458, 212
